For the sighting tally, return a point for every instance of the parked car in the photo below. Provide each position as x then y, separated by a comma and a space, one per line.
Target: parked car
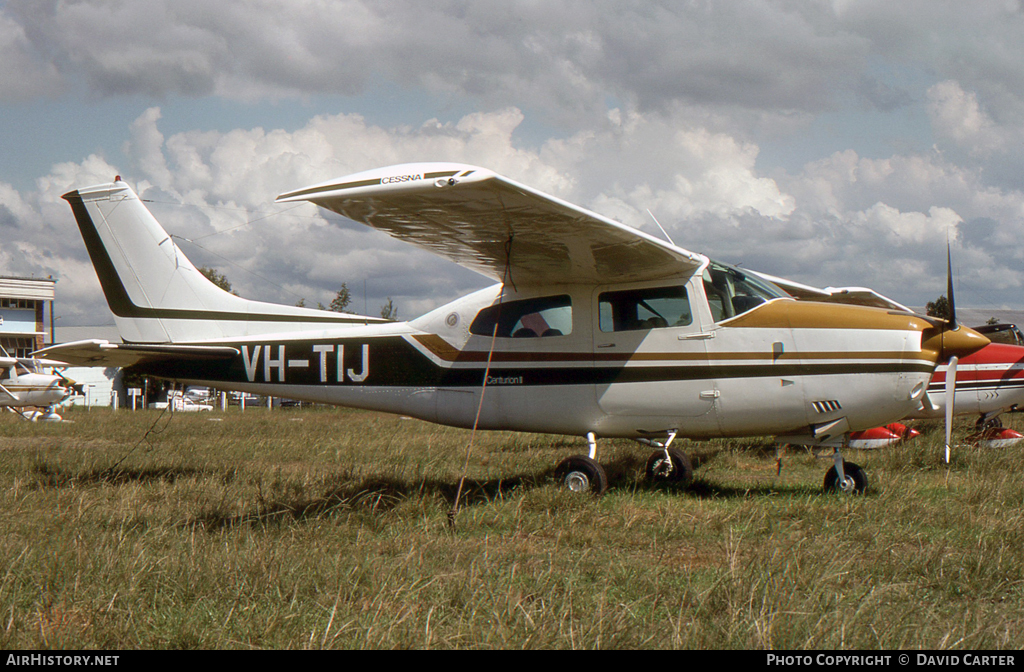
198, 394
179, 402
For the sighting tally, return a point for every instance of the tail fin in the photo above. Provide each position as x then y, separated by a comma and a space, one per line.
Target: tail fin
156, 294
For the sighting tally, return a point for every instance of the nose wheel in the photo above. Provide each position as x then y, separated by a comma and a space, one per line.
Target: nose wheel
852, 480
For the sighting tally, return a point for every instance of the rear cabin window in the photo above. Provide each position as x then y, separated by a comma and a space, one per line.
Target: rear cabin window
647, 308
542, 317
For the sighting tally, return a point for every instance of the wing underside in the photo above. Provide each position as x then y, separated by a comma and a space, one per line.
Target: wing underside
498, 227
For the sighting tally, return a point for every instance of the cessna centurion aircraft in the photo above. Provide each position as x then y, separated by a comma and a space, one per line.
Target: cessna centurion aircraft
594, 329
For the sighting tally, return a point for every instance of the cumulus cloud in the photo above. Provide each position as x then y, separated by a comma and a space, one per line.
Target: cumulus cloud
564, 58
658, 106
845, 219
217, 189
956, 115
885, 223
25, 75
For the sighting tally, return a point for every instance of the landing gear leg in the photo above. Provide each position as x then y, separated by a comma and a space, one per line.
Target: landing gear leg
669, 465
845, 476
583, 473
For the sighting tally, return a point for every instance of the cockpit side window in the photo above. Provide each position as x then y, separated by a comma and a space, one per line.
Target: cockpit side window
731, 292
527, 318
647, 308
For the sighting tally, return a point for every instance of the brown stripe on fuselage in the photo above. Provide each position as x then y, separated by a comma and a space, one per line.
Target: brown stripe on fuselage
446, 352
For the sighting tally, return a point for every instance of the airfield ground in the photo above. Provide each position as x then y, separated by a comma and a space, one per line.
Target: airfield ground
327, 528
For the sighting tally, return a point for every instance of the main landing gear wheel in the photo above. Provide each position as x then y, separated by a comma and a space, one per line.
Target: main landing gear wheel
984, 423
675, 469
579, 473
856, 482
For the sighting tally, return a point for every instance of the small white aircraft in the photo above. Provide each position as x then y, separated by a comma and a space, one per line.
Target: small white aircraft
594, 329
23, 385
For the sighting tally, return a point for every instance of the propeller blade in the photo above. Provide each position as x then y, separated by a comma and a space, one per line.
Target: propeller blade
950, 397
949, 286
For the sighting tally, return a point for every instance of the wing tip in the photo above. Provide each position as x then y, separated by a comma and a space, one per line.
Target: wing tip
399, 176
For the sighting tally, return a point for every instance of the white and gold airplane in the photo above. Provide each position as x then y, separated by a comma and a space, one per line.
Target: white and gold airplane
24, 385
594, 329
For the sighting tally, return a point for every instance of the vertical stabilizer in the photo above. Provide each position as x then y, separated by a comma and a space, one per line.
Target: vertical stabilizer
156, 294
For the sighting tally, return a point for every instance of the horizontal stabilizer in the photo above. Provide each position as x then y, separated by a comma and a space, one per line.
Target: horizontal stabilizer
96, 352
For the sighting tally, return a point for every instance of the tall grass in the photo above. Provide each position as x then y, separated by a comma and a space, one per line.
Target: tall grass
325, 528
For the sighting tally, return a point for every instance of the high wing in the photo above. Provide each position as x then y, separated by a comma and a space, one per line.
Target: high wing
31, 362
97, 352
857, 296
498, 227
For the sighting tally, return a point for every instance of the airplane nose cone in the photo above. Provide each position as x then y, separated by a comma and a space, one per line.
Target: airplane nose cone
958, 342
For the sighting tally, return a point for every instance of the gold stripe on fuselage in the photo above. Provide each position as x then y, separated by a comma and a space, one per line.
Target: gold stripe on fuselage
786, 314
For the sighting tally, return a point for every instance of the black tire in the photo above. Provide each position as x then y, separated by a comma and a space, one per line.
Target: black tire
579, 473
992, 423
854, 473
676, 469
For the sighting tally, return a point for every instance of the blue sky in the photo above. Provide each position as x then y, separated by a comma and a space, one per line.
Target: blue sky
835, 143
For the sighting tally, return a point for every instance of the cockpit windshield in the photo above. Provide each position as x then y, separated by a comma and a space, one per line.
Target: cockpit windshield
731, 292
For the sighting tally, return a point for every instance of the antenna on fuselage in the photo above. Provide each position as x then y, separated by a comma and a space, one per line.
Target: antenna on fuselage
667, 237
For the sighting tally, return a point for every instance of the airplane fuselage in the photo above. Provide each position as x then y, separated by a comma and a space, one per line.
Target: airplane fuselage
703, 378
988, 382
32, 389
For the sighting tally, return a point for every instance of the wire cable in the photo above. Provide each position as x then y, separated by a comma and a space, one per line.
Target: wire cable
507, 274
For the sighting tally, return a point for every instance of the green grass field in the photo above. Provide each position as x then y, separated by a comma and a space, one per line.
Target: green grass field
328, 528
